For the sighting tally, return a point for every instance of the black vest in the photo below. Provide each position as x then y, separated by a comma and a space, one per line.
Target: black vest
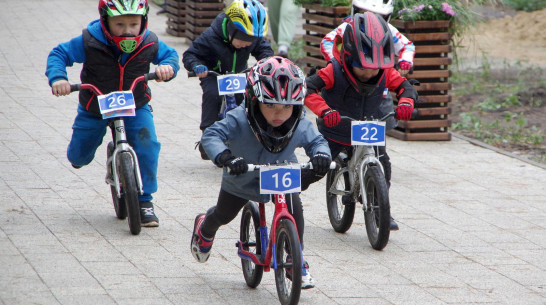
348, 102
103, 70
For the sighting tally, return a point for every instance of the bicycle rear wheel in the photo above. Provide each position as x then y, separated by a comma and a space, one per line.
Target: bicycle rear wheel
251, 241
341, 210
119, 202
377, 213
289, 263
126, 172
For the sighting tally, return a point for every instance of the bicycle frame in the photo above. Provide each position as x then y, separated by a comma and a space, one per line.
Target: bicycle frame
357, 167
121, 145
268, 242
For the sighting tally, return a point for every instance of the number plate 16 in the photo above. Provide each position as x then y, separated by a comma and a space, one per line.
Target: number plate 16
116, 104
283, 179
368, 133
231, 83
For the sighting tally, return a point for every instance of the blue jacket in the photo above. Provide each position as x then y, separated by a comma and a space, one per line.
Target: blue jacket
234, 133
68, 53
213, 49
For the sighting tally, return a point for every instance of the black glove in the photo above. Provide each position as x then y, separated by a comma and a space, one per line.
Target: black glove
236, 165
321, 163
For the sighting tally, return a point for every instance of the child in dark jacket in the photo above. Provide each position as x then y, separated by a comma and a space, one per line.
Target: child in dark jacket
114, 51
266, 130
353, 83
225, 47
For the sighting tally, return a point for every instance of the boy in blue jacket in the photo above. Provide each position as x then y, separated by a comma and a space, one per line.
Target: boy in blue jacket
225, 48
114, 51
265, 130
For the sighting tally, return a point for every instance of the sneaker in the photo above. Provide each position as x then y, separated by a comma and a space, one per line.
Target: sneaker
200, 246
147, 215
201, 150
75, 166
307, 281
394, 225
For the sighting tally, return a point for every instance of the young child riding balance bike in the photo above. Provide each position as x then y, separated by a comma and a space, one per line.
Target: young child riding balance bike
265, 130
353, 82
114, 50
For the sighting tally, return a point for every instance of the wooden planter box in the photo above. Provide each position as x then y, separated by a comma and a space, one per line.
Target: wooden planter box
431, 69
200, 14
176, 17
319, 21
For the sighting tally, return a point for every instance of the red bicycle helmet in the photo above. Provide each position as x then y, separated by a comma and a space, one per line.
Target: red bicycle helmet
367, 43
274, 80
113, 8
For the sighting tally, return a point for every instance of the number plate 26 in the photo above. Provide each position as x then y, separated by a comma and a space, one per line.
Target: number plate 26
116, 104
368, 133
231, 83
280, 179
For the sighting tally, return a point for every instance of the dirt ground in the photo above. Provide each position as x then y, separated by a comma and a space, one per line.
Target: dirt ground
511, 44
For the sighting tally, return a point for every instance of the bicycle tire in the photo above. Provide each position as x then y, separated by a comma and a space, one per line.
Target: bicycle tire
341, 214
126, 172
119, 202
377, 214
289, 263
250, 238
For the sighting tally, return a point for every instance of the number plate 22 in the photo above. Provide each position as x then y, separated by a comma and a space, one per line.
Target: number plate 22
368, 133
283, 179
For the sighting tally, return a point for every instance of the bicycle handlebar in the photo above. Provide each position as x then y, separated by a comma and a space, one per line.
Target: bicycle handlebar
192, 74
307, 165
146, 77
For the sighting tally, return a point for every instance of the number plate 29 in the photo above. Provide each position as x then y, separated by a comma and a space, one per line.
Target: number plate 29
368, 133
116, 104
283, 179
231, 83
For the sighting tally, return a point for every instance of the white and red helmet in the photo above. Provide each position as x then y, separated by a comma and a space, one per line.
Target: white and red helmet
274, 80
381, 7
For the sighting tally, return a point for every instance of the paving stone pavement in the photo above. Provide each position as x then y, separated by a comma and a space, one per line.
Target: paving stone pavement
471, 220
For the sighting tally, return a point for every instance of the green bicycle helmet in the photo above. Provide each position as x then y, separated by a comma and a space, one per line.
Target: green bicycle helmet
113, 8
248, 19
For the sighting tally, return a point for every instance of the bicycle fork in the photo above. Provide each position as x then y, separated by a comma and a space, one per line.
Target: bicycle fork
121, 145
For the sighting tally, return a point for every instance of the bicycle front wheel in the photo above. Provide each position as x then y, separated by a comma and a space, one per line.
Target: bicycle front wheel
341, 210
377, 214
126, 172
251, 241
289, 264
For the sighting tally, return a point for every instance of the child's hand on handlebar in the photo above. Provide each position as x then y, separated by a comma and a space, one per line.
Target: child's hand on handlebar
60, 88
331, 117
164, 72
236, 165
321, 163
404, 109
201, 71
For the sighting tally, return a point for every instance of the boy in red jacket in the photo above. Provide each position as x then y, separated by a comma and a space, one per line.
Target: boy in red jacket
353, 82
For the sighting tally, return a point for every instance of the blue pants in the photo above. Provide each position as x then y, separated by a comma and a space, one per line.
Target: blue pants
89, 130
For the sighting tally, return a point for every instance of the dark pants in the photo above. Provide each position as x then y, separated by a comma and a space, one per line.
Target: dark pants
228, 206
211, 101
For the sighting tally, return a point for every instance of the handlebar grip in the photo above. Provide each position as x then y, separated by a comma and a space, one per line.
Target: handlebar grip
150, 76
75, 87
191, 74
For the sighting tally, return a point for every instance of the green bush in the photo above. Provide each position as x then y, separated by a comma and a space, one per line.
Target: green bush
526, 5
